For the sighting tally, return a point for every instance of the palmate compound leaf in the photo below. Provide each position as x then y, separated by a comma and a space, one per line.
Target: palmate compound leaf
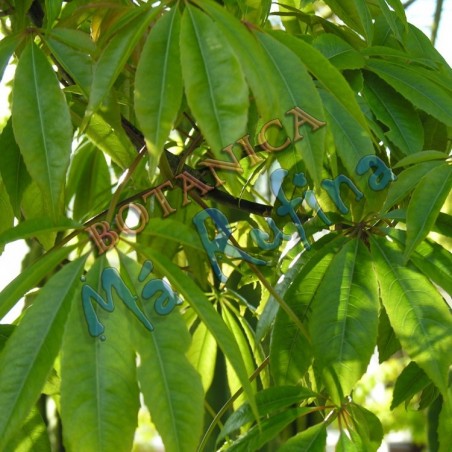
158, 83
171, 387
420, 317
42, 125
38, 338
344, 319
99, 388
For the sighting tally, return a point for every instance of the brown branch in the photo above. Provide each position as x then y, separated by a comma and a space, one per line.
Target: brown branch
436, 20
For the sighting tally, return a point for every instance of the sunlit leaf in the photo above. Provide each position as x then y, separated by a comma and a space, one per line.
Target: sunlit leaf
411, 381
28, 279
344, 319
170, 385
211, 72
312, 439
115, 56
38, 337
419, 90
98, 377
42, 125
158, 83
428, 197
418, 314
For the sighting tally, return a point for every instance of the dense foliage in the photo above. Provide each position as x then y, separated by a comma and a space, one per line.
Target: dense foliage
226, 215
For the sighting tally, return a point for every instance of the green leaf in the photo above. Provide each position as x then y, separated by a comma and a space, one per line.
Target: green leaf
339, 52
69, 49
411, 381
98, 377
346, 444
52, 9
420, 157
269, 401
29, 278
351, 141
110, 140
171, 387
344, 319
42, 125
89, 180
158, 83
296, 89
405, 128
7, 46
258, 436
406, 181
254, 63
368, 431
38, 337
327, 75
430, 258
435, 262
391, 17
312, 439
115, 55
244, 347
422, 92
202, 354
32, 436
12, 168
290, 351
205, 311
444, 422
418, 314
36, 226
7, 212
166, 229
387, 341
211, 73
355, 14
428, 198
77, 39
5, 333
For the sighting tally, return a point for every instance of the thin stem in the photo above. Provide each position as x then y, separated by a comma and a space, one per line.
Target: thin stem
436, 20
228, 404
127, 176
